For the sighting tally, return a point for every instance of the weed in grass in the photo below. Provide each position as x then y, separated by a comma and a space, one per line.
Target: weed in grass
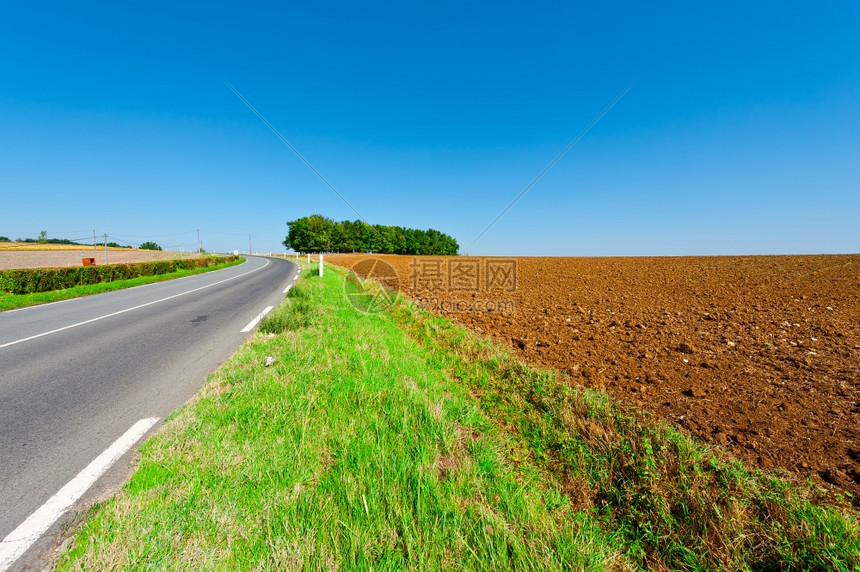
296, 313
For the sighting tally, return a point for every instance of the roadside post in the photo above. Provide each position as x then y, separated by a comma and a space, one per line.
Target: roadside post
321, 264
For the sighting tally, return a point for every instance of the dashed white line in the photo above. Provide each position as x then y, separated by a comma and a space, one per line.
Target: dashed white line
29, 531
7, 344
256, 320
287, 289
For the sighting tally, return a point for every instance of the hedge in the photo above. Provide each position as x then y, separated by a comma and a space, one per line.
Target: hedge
29, 281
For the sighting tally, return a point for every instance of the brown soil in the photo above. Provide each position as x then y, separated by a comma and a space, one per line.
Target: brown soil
11, 257
759, 354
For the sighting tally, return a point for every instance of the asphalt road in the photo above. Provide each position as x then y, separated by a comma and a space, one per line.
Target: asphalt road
76, 375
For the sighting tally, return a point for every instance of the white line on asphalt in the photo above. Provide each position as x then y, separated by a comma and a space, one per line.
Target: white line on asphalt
296, 277
287, 289
256, 320
29, 531
129, 309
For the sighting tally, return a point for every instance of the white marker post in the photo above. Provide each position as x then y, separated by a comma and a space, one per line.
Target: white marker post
321, 264
309, 257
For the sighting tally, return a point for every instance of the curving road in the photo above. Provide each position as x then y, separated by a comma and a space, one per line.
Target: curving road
76, 375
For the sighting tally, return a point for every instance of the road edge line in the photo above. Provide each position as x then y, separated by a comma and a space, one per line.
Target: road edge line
254, 322
19, 540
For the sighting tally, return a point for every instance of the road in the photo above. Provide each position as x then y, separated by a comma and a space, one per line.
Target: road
76, 375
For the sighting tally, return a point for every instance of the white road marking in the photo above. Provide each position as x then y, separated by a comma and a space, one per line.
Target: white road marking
29, 531
287, 289
256, 320
7, 344
296, 277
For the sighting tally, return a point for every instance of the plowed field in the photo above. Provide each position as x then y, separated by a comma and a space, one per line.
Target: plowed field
757, 354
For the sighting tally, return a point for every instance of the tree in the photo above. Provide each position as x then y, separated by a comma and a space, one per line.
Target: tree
317, 233
43, 237
4, 239
149, 245
310, 234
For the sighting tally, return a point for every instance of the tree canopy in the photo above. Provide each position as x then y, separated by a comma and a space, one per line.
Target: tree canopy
317, 233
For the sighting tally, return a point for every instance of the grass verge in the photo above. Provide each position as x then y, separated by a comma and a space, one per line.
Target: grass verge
399, 441
14, 301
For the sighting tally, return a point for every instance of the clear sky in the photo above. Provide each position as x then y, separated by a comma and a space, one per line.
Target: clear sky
740, 134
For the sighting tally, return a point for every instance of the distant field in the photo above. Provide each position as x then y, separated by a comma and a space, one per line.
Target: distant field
28, 255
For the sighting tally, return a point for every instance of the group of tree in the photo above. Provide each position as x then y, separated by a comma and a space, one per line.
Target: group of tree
41, 240
317, 233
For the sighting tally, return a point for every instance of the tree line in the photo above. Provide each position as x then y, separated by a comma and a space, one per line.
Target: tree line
43, 239
317, 233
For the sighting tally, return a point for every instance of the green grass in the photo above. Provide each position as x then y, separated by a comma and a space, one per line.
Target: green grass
399, 441
675, 502
14, 301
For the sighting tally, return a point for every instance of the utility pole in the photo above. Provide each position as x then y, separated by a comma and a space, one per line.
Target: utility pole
198, 241
249, 245
106, 254
94, 239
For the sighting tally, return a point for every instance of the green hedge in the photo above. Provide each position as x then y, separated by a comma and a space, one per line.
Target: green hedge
29, 281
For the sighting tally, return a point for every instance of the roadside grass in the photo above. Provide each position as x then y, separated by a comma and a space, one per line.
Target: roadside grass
675, 502
400, 441
14, 301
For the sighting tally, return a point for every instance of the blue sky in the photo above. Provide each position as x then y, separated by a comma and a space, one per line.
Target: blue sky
738, 136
